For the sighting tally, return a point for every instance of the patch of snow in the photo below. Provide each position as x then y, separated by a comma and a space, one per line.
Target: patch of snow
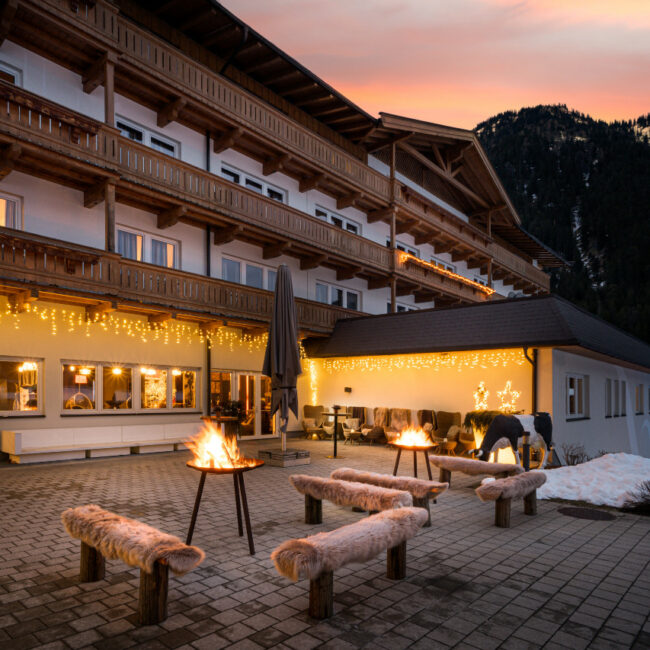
605, 481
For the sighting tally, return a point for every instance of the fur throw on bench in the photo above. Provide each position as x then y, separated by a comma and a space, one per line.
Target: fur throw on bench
131, 541
418, 488
512, 487
474, 467
346, 493
357, 542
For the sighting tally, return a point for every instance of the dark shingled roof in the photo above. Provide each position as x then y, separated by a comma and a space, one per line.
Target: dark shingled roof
538, 321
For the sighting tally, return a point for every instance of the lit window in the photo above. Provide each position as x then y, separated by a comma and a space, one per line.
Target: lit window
231, 270
19, 386
183, 389
576, 396
253, 183
11, 211
79, 387
129, 245
163, 253
117, 387
153, 388
143, 247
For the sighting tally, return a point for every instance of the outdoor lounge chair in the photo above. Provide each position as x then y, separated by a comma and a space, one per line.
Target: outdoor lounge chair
312, 421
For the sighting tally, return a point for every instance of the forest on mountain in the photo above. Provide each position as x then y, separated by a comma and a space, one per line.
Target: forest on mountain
582, 186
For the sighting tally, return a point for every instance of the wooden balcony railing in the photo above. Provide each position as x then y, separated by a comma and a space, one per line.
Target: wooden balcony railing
55, 267
161, 61
514, 264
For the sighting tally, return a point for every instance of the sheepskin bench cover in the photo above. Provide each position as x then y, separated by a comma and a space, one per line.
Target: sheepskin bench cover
503, 490
345, 493
419, 489
449, 464
104, 534
318, 556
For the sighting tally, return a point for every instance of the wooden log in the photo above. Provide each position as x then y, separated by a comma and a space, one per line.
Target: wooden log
313, 510
321, 596
445, 476
423, 502
502, 513
93, 565
530, 503
152, 601
396, 562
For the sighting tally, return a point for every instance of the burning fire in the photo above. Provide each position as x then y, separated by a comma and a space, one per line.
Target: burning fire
412, 437
212, 449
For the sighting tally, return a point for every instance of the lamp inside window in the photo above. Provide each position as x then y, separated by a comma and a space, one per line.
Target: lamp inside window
18, 385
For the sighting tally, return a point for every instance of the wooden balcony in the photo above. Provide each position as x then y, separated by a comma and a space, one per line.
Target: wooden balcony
513, 269
59, 271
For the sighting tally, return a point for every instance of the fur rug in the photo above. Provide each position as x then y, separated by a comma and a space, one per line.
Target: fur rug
346, 493
418, 488
358, 542
473, 467
133, 542
512, 487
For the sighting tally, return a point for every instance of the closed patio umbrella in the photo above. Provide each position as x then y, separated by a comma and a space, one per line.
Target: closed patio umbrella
282, 358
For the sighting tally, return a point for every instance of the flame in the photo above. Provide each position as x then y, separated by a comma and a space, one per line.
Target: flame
212, 449
412, 437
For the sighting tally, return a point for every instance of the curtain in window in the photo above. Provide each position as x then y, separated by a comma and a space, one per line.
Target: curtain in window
162, 253
127, 245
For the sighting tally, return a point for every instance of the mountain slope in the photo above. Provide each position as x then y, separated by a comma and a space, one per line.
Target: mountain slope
583, 187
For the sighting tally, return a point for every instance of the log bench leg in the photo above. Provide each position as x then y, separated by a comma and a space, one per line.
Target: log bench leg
424, 503
502, 513
313, 510
321, 595
93, 565
396, 562
152, 602
445, 476
530, 503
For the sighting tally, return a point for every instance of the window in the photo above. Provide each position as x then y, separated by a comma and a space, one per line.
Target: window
183, 389
608, 398
10, 74
143, 247
638, 401
480, 280
19, 386
252, 275
117, 390
255, 276
271, 276
449, 267
623, 398
253, 183
399, 308
337, 296
231, 270
616, 411
151, 139
79, 387
11, 211
337, 220
153, 388
576, 396
401, 246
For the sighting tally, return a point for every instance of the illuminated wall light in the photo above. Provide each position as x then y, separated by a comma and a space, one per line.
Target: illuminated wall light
72, 368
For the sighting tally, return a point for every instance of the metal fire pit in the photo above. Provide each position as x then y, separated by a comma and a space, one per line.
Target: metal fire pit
240, 497
414, 449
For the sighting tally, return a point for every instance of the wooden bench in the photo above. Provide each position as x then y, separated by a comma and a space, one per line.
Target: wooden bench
104, 534
318, 556
420, 490
346, 494
503, 490
448, 464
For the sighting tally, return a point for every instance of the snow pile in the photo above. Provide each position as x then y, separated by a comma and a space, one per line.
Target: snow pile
604, 481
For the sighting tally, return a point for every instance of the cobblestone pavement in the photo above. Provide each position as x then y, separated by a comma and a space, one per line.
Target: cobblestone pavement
550, 581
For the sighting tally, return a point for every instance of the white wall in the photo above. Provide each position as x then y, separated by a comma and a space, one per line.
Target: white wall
629, 433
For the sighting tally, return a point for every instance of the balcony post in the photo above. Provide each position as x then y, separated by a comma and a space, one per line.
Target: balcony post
109, 91
489, 273
109, 214
393, 295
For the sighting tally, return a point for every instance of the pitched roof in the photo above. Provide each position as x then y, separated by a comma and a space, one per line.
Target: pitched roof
538, 321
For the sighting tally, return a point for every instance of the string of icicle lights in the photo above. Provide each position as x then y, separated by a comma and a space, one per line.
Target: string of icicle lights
428, 361
172, 331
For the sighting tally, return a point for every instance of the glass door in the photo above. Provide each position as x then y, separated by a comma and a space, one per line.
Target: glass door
246, 396
267, 423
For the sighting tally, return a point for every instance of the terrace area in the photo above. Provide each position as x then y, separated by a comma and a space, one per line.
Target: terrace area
549, 581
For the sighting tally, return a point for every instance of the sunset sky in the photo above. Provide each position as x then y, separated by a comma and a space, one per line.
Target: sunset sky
458, 62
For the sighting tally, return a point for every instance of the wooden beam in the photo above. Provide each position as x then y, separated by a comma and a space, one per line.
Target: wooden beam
407, 291
311, 183
97, 311
159, 319
404, 226
227, 139
170, 217
170, 112
96, 194
275, 250
380, 215
8, 157
227, 234
275, 164
422, 296
423, 238
95, 75
442, 172
444, 247
402, 137
109, 217
378, 283
19, 301
458, 255
7, 13
348, 273
347, 201
439, 158
312, 262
